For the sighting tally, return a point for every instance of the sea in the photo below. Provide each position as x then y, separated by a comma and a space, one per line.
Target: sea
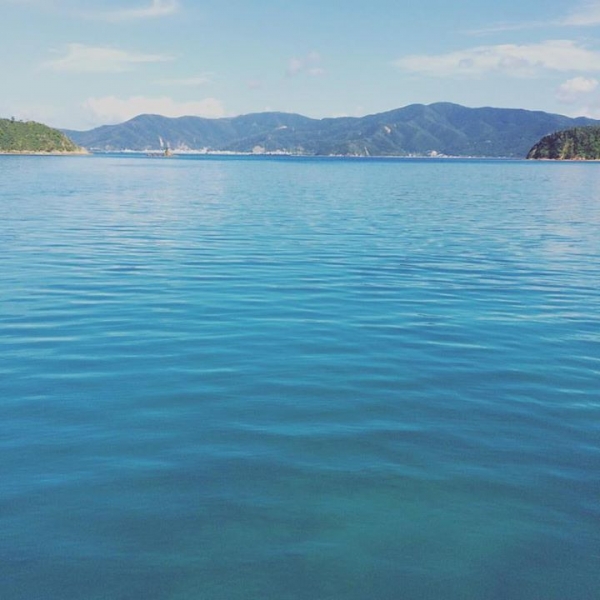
285, 378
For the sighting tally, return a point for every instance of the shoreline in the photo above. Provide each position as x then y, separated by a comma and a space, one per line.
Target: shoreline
226, 153
217, 153
53, 153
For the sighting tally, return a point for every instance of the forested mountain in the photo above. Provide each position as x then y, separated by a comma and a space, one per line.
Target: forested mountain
24, 137
442, 128
579, 143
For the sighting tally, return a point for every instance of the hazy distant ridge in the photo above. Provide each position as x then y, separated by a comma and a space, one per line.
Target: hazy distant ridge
442, 128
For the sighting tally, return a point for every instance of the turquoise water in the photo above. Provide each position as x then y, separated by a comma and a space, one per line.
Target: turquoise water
284, 379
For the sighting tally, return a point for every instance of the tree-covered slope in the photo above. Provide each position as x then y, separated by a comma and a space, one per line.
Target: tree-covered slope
442, 128
579, 143
19, 136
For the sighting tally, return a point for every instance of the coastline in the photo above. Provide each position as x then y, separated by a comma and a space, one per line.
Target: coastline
277, 154
53, 153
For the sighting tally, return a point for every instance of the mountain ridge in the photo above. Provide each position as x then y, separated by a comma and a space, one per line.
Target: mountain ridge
441, 128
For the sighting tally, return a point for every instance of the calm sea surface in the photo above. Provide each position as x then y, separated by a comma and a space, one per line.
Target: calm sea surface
293, 379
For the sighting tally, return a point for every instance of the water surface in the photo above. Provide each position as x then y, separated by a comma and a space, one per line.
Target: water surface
285, 379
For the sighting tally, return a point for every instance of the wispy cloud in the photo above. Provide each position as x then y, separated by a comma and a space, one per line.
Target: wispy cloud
196, 81
504, 27
157, 8
308, 65
585, 16
511, 59
111, 109
80, 58
140, 9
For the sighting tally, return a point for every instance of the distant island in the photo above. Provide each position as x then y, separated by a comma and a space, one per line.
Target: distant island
578, 143
29, 137
437, 130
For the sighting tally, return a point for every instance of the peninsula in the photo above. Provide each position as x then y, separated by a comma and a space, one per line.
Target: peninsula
29, 137
578, 143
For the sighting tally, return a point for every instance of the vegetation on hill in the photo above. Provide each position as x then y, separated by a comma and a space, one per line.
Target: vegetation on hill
579, 143
31, 137
417, 130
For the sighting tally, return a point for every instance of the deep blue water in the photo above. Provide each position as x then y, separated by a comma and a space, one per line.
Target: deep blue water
285, 379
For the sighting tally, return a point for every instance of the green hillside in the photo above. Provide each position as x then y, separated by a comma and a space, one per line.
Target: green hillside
579, 143
26, 137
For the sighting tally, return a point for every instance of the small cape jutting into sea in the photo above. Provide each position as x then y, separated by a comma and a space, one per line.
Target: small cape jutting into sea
579, 143
29, 137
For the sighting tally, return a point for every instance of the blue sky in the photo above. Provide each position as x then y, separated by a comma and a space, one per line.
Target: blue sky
81, 63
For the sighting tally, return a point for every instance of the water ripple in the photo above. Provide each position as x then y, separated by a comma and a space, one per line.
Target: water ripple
285, 378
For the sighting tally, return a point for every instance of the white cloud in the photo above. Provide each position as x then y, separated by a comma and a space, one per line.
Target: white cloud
308, 65
573, 89
586, 16
98, 59
157, 8
512, 59
111, 109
